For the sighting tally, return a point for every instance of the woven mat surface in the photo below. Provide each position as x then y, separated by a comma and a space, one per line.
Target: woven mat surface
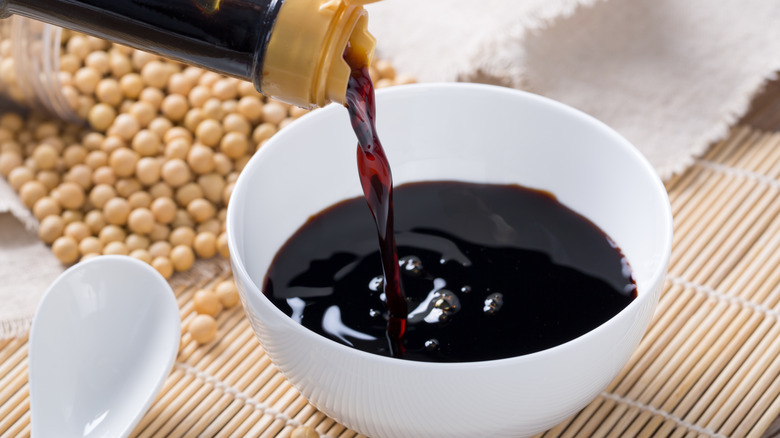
708, 366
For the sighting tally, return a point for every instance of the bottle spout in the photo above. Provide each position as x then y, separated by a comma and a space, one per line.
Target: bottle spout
361, 50
304, 62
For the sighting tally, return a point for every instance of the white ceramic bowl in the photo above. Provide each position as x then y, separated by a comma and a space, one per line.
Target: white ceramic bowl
463, 132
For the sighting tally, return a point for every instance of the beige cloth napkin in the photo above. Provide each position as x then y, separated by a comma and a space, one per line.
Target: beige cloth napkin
27, 266
670, 75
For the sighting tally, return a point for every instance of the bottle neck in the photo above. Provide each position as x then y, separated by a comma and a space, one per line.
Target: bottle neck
227, 36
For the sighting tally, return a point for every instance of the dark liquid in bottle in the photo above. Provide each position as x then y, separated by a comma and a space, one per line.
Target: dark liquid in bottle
227, 35
489, 272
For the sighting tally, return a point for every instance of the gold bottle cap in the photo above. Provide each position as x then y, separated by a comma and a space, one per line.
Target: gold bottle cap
304, 61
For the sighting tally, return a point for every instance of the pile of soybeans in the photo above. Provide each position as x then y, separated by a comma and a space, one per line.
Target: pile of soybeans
150, 172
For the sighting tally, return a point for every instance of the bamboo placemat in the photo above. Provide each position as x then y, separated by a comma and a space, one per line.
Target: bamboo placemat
708, 366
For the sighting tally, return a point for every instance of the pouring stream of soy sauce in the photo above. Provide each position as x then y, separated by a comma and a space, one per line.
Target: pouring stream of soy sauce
377, 182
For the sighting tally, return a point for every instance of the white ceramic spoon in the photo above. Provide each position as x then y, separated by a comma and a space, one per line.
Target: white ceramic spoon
103, 340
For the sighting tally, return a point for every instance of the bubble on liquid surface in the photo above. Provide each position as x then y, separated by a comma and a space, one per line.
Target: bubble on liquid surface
377, 283
411, 265
438, 306
447, 303
431, 344
374, 313
465, 289
493, 303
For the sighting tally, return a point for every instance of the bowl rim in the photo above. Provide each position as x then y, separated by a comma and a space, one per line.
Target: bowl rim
655, 281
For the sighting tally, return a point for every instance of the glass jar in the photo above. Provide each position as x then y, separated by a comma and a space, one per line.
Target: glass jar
29, 66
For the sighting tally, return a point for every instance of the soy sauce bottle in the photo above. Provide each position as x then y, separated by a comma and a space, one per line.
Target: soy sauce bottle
292, 50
